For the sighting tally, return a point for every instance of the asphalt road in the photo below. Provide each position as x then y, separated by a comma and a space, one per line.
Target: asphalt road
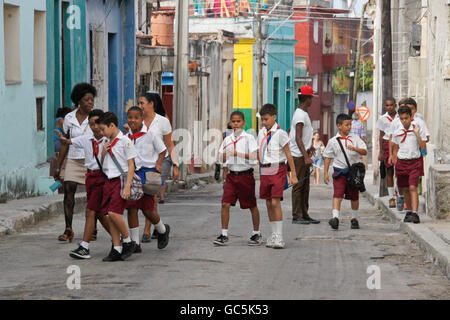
317, 263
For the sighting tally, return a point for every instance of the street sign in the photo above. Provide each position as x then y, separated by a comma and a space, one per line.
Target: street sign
351, 105
364, 113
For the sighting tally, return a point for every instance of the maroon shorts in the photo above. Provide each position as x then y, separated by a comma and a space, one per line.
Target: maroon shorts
342, 189
147, 203
272, 185
95, 180
112, 201
240, 187
386, 153
408, 172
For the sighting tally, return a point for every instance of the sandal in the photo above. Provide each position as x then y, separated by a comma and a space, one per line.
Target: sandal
67, 235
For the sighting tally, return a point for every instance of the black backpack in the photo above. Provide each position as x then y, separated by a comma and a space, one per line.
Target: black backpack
356, 173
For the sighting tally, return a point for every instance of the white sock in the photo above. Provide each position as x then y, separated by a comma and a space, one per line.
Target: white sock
354, 214
160, 227
335, 213
391, 192
273, 227
278, 227
85, 245
134, 233
118, 249
255, 232
127, 240
225, 232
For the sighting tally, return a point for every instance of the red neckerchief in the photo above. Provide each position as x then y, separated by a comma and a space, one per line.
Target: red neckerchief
233, 142
135, 136
266, 138
346, 139
96, 146
405, 133
112, 145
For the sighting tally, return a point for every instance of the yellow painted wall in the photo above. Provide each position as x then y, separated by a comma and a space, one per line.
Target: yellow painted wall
243, 90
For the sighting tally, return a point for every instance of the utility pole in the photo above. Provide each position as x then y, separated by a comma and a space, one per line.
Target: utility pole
259, 53
358, 52
180, 98
386, 66
352, 76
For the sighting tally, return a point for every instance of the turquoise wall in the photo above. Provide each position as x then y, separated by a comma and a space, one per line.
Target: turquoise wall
280, 56
24, 147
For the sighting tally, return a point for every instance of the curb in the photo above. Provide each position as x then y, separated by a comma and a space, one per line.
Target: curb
17, 215
434, 248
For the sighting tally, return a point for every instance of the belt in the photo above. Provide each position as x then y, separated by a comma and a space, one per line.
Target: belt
279, 164
410, 159
238, 173
94, 171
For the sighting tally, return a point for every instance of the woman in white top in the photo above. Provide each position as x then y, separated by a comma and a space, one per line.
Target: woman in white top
75, 124
156, 122
317, 156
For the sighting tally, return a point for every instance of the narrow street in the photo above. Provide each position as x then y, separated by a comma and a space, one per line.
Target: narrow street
317, 263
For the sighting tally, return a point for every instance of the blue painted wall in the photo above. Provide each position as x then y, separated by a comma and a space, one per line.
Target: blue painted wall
24, 147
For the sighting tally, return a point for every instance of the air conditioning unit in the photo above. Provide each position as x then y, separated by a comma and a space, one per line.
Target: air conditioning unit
416, 33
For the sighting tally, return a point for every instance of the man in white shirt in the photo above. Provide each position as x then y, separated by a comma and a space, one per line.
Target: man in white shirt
301, 136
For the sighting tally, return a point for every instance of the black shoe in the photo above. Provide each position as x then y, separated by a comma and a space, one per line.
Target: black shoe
127, 249
146, 238
334, 223
408, 217
155, 234
311, 220
354, 224
138, 249
163, 239
80, 253
300, 221
113, 255
414, 217
221, 240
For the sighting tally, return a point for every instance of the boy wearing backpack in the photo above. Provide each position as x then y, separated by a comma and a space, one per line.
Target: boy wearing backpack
353, 147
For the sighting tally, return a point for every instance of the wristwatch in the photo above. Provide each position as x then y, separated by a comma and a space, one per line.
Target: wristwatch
175, 165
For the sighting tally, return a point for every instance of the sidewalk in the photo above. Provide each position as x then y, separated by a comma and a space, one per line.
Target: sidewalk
432, 236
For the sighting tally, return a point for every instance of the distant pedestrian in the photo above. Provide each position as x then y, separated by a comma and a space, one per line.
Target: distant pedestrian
59, 125
353, 147
273, 153
238, 152
151, 152
410, 142
95, 180
384, 124
301, 136
120, 148
358, 127
75, 124
317, 158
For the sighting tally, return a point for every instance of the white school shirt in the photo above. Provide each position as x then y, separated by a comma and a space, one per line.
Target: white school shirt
273, 152
148, 148
245, 143
408, 148
307, 132
160, 126
418, 121
333, 150
75, 129
384, 124
85, 142
123, 150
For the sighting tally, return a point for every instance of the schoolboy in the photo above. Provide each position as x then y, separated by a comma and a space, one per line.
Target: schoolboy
151, 151
384, 124
354, 147
238, 154
273, 143
408, 143
91, 143
113, 203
